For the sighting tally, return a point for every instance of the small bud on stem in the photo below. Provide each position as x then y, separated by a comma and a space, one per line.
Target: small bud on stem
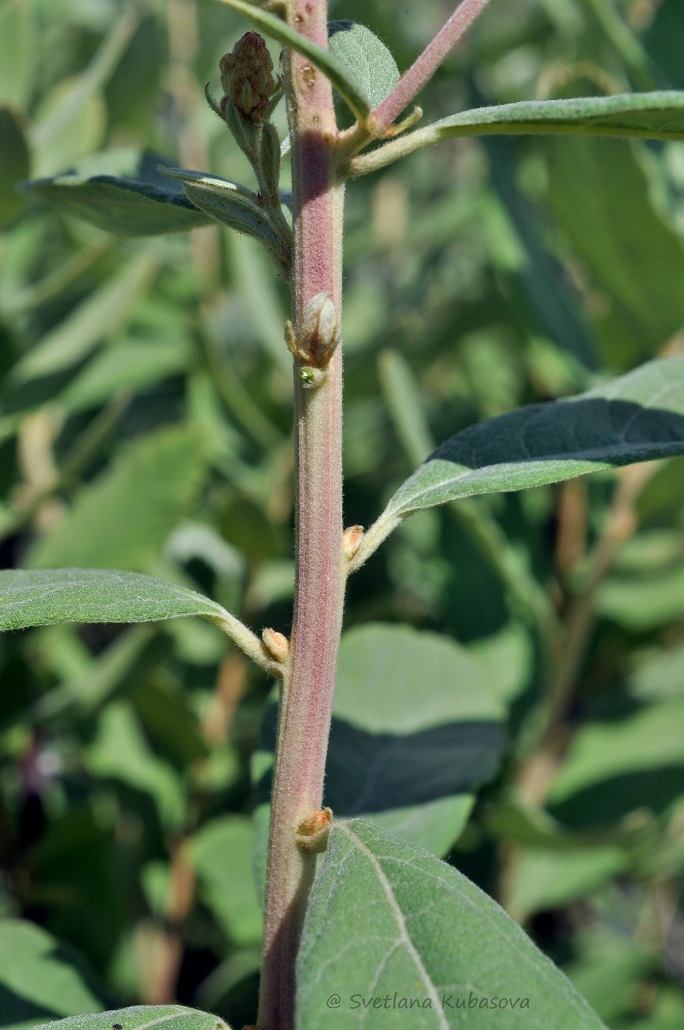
277, 644
313, 832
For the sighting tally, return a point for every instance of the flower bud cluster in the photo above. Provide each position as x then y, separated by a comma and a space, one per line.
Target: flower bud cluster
247, 77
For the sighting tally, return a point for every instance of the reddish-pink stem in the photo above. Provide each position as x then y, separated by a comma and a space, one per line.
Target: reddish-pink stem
422, 70
306, 696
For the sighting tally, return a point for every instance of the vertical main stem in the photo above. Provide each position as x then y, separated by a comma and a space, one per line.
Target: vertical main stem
307, 691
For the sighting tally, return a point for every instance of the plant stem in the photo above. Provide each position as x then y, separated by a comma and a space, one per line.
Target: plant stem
424, 67
306, 696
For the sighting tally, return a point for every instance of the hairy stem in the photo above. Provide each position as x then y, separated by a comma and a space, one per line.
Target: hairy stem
424, 67
306, 697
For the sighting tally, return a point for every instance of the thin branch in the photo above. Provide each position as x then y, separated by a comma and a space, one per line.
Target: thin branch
422, 70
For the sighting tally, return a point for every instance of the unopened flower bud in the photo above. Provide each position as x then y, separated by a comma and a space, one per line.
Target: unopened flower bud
247, 76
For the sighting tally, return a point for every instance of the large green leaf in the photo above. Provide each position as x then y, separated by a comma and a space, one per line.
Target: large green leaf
394, 937
122, 192
142, 1017
45, 598
637, 417
413, 768
39, 978
657, 115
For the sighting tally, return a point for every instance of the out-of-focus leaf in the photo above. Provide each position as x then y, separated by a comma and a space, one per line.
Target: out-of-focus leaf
664, 40
71, 119
169, 722
637, 417
222, 855
132, 364
660, 677
17, 51
15, 161
616, 766
404, 906
646, 601
366, 57
143, 1017
55, 596
122, 192
601, 198
122, 519
543, 879
388, 755
74, 866
82, 119
120, 752
95, 318
39, 978
608, 970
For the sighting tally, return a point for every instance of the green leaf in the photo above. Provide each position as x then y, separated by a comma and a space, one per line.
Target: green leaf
366, 57
121, 752
619, 765
14, 162
122, 518
143, 1017
390, 926
235, 206
221, 854
70, 122
656, 115
96, 318
637, 417
411, 769
39, 978
602, 198
345, 84
18, 51
45, 598
543, 880
122, 192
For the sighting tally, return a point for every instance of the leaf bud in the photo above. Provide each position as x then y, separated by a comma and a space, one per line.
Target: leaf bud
313, 832
277, 644
351, 541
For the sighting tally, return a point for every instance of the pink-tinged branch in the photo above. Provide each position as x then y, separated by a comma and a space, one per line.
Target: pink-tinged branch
422, 70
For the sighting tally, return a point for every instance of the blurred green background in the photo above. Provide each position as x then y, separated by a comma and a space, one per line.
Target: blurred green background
145, 424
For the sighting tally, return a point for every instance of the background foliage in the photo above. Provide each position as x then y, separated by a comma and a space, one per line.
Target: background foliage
145, 425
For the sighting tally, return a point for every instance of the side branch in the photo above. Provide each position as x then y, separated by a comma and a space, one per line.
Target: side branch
422, 70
